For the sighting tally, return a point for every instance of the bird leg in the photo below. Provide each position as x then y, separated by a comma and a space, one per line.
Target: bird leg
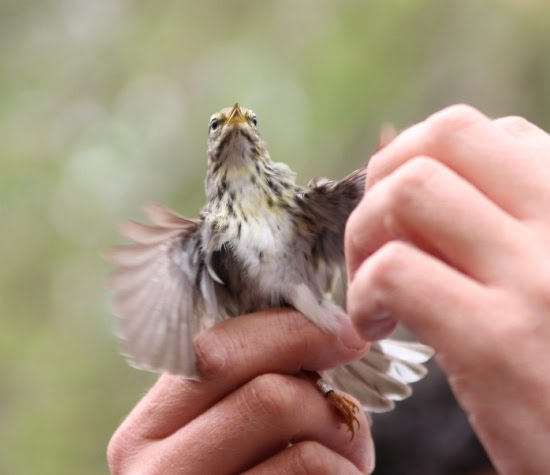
344, 406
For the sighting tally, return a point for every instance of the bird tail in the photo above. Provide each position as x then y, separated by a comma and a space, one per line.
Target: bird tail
383, 375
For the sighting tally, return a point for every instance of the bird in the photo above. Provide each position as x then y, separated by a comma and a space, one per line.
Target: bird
260, 241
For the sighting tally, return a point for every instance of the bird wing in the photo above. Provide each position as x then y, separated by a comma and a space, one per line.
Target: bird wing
328, 204
163, 295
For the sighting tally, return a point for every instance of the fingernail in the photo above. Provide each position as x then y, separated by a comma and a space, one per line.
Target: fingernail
349, 337
378, 326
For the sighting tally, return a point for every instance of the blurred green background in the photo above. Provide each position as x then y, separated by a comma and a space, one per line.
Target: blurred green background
104, 105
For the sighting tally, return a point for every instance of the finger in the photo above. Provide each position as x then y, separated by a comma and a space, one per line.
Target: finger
306, 458
498, 163
231, 353
260, 419
428, 204
435, 301
521, 128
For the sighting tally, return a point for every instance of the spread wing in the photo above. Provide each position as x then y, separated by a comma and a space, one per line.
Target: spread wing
163, 295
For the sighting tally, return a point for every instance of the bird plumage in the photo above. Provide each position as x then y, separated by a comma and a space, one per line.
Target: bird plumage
260, 241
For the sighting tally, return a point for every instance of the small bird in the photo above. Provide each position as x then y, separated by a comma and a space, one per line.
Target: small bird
261, 241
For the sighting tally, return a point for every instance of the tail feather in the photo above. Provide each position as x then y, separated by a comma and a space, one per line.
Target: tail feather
398, 369
383, 374
405, 350
369, 398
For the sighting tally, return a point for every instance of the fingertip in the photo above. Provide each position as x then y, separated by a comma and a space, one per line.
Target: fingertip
372, 330
349, 338
370, 324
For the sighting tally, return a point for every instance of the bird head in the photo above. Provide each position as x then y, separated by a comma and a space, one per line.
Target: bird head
233, 137
239, 167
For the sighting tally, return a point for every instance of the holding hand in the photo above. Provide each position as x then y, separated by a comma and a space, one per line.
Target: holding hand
453, 239
248, 408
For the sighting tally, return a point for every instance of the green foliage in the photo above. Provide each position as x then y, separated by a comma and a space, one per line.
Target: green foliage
104, 105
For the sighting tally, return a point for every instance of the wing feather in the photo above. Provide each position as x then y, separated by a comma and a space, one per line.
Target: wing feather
330, 203
144, 234
158, 302
129, 255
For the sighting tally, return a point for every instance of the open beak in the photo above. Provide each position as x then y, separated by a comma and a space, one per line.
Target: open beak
236, 116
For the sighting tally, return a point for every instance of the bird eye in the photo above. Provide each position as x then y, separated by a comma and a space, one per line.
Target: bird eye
254, 120
214, 124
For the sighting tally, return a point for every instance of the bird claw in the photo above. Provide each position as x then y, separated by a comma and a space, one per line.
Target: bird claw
347, 410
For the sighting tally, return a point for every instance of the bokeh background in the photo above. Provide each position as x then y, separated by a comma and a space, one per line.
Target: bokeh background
104, 105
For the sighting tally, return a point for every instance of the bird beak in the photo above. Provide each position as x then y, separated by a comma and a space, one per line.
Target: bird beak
236, 116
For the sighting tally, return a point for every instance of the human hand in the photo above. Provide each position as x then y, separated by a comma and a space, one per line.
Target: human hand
248, 408
452, 238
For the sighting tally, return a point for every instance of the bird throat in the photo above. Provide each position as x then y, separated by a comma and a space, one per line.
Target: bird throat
249, 184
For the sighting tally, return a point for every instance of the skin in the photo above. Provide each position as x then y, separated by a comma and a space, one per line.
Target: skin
248, 407
452, 239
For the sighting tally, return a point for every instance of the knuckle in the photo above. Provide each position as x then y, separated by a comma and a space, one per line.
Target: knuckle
114, 456
387, 261
412, 178
515, 124
211, 353
270, 397
454, 118
118, 453
309, 458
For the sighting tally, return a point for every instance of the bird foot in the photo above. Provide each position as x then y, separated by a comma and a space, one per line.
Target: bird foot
346, 409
